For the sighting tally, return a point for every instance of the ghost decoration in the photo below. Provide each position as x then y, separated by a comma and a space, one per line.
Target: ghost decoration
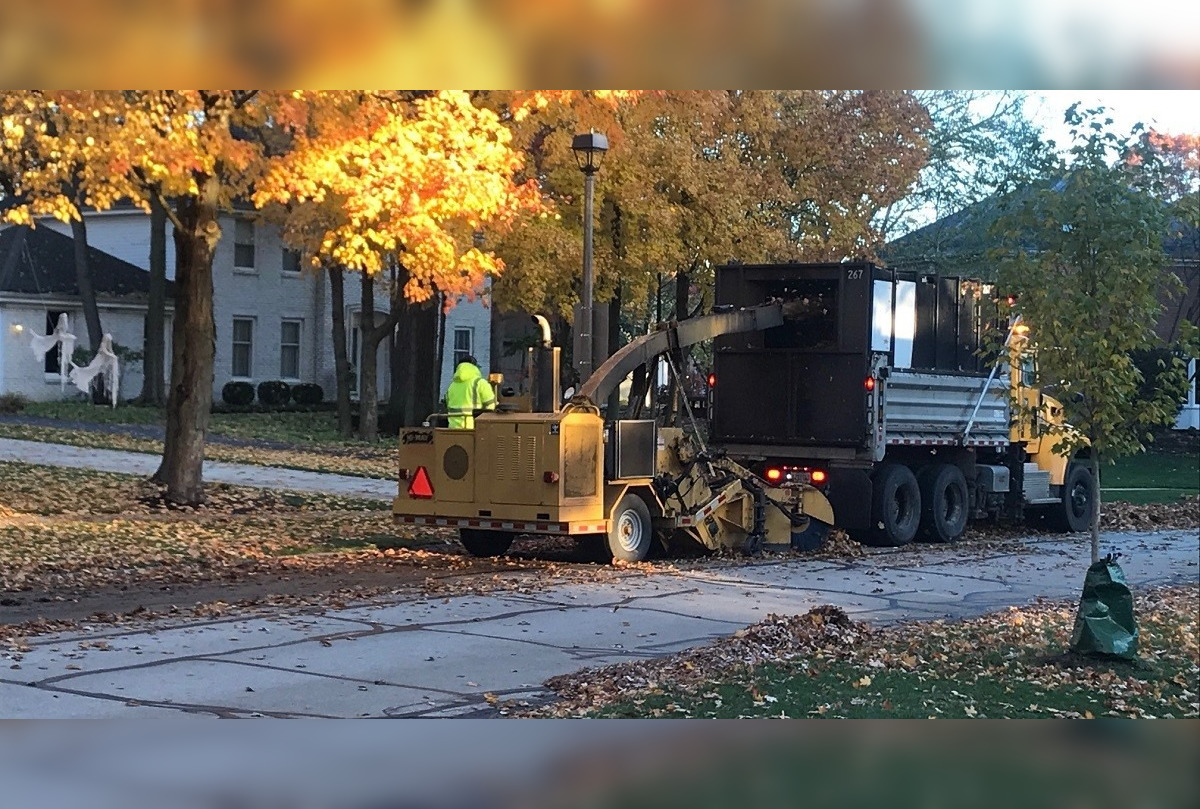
65, 341
105, 362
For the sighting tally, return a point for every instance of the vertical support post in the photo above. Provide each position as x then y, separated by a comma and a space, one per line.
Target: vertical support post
585, 321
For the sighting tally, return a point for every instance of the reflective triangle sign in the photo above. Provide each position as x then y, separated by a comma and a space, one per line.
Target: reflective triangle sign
420, 485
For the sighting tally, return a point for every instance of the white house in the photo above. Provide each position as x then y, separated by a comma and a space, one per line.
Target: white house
37, 284
273, 316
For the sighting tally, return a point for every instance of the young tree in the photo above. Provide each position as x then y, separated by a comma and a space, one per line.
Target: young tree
1084, 257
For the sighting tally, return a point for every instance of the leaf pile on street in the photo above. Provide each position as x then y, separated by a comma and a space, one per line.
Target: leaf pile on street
1017, 655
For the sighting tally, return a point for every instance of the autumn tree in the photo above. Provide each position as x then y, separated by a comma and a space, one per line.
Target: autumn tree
190, 150
38, 170
1084, 256
698, 178
399, 192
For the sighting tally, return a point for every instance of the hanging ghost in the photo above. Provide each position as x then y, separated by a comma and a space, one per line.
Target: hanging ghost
105, 362
65, 341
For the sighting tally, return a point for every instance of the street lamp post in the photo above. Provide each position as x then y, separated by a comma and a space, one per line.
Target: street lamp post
589, 149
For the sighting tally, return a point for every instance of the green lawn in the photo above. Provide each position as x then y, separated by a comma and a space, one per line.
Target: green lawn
1151, 477
1011, 663
306, 428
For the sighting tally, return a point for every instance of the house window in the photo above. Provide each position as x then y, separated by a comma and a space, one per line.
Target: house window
243, 244
52, 364
243, 346
289, 349
463, 339
291, 262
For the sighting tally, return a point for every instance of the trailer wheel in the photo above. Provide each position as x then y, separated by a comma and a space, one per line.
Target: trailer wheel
1074, 513
632, 532
895, 508
485, 543
943, 502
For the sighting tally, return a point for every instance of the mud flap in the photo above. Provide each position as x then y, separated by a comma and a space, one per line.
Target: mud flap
1105, 624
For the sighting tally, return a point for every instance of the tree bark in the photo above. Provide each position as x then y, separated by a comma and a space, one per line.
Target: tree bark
341, 360
1095, 521
614, 344
154, 347
190, 400
415, 359
368, 394
674, 414
83, 279
87, 297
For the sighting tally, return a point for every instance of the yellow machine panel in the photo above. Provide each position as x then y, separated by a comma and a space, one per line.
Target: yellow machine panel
529, 467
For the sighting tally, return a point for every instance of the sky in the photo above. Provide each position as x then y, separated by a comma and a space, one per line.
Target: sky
1172, 111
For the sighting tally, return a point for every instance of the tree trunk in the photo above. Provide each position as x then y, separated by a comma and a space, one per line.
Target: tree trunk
341, 360
87, 297
190, 400
83, 279
154, 347
1095, 521
674, 414
416, 359
614, 343
368, 394
440, 338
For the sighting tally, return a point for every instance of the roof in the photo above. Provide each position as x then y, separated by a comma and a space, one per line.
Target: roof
960, 244
41, 261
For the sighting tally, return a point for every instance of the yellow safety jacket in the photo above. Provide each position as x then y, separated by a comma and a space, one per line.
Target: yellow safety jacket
467, 393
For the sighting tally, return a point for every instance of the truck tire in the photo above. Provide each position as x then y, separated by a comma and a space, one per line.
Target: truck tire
1074, 513
485, 543
632, 533
943, 502
895, 508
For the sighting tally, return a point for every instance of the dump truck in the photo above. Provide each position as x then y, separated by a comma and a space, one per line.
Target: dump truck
539, 465
911, 397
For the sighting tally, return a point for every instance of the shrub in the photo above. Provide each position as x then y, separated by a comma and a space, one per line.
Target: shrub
308, 393
12, 403
237, 393
274, 393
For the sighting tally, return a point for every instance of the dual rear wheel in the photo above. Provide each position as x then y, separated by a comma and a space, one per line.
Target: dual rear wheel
932, 506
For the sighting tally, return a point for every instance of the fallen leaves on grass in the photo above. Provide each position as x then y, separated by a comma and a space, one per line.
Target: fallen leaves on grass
816, 634
1185, 513
1018, 646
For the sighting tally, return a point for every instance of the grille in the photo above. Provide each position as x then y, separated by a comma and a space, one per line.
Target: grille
516, 458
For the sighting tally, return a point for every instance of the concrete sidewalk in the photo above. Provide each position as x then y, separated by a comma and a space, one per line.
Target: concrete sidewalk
444, 657
144, 464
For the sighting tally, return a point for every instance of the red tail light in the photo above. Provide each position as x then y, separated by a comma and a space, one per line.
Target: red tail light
819, 476
711, 379
420, 487
869, 383
774, 475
